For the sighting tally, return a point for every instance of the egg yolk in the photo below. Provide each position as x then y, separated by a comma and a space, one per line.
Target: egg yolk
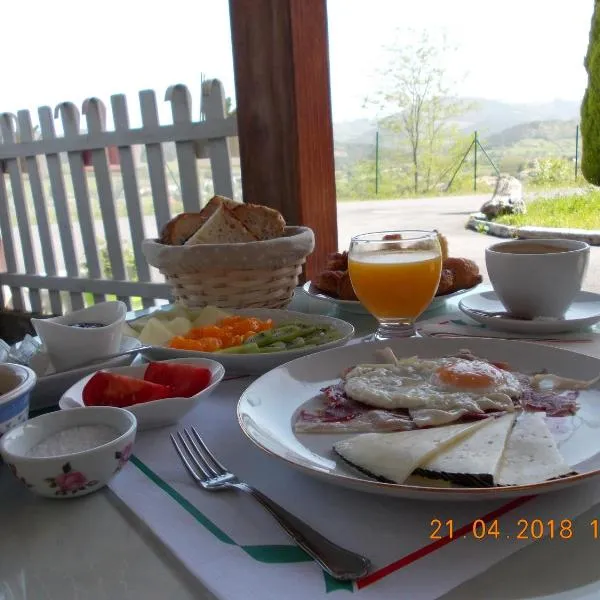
468, 374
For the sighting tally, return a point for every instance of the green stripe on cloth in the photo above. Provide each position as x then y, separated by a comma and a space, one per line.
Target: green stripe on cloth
271, 554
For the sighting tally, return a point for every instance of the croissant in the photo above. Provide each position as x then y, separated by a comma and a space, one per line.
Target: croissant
465, 271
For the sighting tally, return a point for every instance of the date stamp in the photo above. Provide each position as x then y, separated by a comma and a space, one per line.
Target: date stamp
523, 529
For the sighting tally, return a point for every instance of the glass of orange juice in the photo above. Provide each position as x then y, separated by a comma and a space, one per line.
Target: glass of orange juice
395, 274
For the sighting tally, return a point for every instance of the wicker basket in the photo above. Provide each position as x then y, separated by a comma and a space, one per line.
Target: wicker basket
250, 275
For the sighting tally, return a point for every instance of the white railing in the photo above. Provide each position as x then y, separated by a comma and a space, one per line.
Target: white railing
76, 205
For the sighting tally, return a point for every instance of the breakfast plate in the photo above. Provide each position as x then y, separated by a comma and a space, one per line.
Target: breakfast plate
354, 306
50, 386
583, 312
267, 418
247, 364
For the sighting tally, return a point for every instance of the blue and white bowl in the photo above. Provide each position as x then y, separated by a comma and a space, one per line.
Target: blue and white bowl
16, 383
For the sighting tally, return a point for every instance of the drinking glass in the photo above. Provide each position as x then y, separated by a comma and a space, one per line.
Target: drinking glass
395, 274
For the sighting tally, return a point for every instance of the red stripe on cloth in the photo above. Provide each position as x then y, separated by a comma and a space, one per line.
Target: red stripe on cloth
425, 550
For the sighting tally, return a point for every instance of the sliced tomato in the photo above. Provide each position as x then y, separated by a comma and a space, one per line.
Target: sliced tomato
111, 389
184, 380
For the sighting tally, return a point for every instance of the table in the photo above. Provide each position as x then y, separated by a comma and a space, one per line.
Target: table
93, 548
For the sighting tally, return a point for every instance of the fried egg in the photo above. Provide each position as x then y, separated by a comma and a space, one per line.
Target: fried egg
444, 384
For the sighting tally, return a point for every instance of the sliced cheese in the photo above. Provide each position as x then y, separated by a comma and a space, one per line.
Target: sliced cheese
476, 456
530, 455
394, 456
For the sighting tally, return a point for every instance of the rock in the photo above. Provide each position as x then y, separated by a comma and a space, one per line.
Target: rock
506, 200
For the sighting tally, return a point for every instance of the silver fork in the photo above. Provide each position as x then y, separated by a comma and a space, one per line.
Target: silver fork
211, 475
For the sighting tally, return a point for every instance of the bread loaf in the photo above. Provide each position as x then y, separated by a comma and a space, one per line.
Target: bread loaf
264, 222
224, 221
179, 229
222, 227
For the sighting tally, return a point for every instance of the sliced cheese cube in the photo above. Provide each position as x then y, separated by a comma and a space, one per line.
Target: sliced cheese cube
209, 316
179, 326
155, 333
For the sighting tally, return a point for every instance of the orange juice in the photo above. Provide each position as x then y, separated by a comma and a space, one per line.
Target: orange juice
395, 284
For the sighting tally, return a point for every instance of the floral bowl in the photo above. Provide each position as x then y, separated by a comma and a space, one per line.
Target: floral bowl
16, 383
70, 453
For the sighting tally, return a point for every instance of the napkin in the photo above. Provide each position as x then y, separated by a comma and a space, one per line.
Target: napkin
459, 326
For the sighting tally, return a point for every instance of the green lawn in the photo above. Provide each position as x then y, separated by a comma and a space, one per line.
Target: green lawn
580, 212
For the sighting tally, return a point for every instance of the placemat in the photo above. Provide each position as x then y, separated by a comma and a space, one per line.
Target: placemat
237, 551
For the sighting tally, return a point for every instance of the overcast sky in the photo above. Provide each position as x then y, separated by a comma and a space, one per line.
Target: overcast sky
515, 50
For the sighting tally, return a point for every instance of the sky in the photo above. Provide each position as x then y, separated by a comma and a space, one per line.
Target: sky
513, 50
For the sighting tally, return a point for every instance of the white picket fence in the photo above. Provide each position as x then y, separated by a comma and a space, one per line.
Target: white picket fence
72, 202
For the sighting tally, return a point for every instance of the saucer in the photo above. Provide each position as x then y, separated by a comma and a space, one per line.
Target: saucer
583, 312
51, 386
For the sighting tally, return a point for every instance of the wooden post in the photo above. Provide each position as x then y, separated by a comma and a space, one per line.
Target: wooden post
281, 64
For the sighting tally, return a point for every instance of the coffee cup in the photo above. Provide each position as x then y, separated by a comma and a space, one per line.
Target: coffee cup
538, 277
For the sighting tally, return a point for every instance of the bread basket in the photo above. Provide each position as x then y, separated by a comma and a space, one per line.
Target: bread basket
248, 275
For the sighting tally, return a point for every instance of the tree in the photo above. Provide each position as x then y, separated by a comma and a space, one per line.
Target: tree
590, 107
418, 89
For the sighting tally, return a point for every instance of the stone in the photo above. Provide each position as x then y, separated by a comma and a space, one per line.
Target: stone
506, 200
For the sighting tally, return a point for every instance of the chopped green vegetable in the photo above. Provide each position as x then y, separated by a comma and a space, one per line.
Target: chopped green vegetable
242, 349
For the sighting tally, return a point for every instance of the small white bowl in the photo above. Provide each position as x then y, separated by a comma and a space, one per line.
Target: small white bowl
16, 383
157, 413
68, 346
70, 474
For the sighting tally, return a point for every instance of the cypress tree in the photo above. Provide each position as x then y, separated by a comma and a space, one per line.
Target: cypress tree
590, 107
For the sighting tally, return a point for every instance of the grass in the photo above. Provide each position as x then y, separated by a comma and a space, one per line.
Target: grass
577, 211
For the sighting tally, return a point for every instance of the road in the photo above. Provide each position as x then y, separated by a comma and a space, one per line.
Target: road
447, 214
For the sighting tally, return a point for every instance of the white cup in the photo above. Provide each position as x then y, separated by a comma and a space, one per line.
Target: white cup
537, 278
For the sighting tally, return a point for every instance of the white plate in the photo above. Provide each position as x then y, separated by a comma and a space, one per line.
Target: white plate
157, 413
248, 364
50, 387
266, 415
584, 312
354, 306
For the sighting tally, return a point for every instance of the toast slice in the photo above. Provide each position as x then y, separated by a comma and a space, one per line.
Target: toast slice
213, 204
264, 222
222, 227
181, 228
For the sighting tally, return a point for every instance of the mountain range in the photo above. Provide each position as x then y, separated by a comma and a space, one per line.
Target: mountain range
488, 117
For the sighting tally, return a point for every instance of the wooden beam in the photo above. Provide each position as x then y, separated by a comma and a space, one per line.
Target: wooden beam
281, 64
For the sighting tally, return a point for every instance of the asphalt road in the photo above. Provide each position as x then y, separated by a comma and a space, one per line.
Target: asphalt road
447, 214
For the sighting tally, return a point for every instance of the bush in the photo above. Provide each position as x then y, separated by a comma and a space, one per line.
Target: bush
550, 171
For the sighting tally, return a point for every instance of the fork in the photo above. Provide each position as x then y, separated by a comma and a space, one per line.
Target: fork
212, 476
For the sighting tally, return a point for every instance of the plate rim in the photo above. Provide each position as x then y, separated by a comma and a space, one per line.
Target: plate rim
414, 490
523, 326
135, 343
309, 289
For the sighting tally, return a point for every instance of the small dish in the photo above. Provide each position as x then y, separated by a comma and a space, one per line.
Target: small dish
51, 385
157, 413
583, 312
16, 383
82, 335
66, 454
250, 364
